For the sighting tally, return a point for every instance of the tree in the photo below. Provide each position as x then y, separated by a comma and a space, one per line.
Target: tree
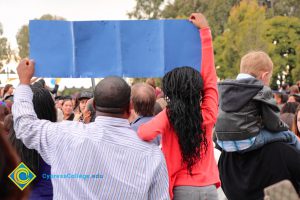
183, 8
5, 51
23, 35
217, 14
283, 36
285, 8
242, 34
146, 9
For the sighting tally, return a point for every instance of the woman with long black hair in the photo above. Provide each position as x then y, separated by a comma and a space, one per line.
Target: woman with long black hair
44, 107
186, 124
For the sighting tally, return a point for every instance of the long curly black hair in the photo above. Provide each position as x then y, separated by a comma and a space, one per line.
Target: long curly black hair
183, 91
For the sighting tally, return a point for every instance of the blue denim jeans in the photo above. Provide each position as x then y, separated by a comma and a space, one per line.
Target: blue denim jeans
265, 137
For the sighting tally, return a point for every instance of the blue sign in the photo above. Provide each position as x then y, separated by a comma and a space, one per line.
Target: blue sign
129, 48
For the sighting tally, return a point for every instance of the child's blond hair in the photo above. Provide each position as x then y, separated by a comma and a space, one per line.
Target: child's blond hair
256, 63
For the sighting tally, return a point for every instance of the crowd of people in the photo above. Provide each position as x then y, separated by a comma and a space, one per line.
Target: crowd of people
143, 142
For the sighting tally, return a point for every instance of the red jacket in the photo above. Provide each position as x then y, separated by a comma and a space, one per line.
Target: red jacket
205, 172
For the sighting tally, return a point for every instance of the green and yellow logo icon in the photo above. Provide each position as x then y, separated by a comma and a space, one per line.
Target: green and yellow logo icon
22, 176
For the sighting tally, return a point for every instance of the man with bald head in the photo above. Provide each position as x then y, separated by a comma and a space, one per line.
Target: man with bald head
143, 100
100, 160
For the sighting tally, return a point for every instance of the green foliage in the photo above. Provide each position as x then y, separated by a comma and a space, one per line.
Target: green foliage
283, 37
23, 36
23, 41
5, 51
158, 81
146, 9
183, 8
242, 34
285, 8
217, 14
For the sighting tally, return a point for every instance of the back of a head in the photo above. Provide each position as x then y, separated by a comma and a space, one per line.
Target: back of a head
44, 104
294, 90
289, 107
143, 99
112, 95
182, 87
6, 88
255, 63
151, 82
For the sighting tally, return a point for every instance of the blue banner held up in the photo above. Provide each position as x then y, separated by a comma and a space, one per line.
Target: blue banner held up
130, 48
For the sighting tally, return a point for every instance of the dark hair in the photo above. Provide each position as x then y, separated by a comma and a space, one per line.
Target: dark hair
4, 110
284, 98
182, 87
6, 88
112, 95
143, 99
297, 97
289, 107
44, 104
44, 107
90, 107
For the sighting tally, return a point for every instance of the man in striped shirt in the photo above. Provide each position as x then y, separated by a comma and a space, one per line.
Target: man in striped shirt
100, 160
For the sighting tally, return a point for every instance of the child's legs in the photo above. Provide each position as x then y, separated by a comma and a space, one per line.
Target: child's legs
265, 137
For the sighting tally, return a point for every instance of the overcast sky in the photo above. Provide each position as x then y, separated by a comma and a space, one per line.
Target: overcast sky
15, 13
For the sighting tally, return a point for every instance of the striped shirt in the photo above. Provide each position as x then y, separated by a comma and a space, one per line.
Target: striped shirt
119, 165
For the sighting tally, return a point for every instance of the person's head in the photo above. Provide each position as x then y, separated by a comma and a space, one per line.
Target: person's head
75, 101
289, 107
112, 97
292, 99
294, 90
257, 64
296, 122
143, 99
44, 104
42, 82
83, 98
285, 86
67, 107
8, 89
151, 82
183, 90
58, 102
89, 113
278, 98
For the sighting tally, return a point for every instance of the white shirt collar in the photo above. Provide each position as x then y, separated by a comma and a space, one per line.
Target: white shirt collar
244, 76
